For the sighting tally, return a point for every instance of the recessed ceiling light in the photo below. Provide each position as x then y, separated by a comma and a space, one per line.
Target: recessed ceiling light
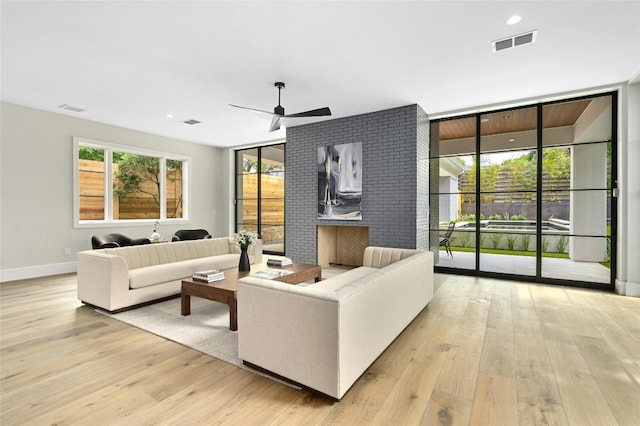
169, 115
514, 19
512, 140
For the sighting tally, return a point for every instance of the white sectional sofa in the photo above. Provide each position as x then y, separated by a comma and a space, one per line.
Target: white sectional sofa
325, 335
118, 278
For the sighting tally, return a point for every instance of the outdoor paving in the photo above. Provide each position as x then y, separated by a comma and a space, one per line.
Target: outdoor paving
565, 269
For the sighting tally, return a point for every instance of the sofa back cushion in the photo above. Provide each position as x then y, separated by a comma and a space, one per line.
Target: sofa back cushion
334, 283
379, 257
156, 254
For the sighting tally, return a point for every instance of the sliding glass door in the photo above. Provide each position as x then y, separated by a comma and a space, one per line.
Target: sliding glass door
454, 143
578, 172
260, 174
530, 192
507, 184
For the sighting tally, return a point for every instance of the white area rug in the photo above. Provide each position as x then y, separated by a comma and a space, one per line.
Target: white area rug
205, 330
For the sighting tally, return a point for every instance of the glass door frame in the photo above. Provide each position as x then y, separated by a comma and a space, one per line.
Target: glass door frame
238, 174
611, 191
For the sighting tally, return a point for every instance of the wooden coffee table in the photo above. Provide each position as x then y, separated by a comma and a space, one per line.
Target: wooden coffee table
224, 291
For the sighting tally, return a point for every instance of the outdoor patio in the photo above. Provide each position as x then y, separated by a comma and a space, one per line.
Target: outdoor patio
565, 269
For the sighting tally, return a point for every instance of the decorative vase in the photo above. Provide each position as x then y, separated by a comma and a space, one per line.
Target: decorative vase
244, 260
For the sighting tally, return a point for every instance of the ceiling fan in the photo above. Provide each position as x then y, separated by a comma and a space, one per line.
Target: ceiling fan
278, 111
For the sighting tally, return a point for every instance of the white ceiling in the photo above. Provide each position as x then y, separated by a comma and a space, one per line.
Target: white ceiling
130, 63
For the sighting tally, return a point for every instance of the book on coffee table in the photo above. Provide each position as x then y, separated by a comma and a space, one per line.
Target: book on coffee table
270, 274
209, 275
279, 262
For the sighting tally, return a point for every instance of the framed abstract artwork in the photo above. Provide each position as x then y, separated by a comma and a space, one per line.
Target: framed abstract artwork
340, 181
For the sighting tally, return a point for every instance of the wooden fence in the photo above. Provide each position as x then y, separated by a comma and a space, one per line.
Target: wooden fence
138, 206
272, 208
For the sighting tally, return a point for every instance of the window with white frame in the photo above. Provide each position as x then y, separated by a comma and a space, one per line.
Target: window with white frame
115, 183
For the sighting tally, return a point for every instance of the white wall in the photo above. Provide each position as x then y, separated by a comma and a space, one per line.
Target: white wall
588, 215
448, 205
628, 273
36, 202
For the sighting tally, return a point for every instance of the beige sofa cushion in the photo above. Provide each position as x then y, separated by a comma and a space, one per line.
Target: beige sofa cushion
379, 257
156, 254
166, 272
334, 283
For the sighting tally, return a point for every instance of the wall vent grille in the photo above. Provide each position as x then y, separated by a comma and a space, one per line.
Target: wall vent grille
71, 108
513, 41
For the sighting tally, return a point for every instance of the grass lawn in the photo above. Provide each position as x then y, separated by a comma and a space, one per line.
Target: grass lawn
511, 252
519, 253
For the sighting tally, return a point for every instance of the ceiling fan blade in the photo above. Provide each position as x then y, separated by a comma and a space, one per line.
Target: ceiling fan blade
275, 123
254, 109
278, 112
312, 113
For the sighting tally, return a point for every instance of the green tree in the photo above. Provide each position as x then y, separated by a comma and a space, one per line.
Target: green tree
468, 183
88, 153
556, 164
134, 174
522, 174
488, 176
251, 166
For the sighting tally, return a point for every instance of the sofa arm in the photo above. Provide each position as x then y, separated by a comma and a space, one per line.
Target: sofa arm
385, 301
290, 330
103, 280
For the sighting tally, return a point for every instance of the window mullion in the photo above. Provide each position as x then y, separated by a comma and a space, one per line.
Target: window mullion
108, 184
163, 188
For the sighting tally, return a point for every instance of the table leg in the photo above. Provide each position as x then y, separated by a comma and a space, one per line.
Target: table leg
233, 314
186, 304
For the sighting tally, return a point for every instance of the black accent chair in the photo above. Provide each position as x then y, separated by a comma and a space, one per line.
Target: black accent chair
445, 240
116, 240
190, 234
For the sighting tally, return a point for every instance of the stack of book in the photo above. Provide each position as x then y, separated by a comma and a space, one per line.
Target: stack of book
208, 276
279, 262
270, 274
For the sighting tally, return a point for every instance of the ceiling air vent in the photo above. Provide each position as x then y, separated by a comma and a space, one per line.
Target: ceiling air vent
514, 41
71, 108
191, 122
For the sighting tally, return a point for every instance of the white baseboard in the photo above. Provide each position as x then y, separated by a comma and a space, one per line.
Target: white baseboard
627, 288
37, 271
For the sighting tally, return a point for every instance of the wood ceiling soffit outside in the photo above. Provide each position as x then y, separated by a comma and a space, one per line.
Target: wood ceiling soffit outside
554, 115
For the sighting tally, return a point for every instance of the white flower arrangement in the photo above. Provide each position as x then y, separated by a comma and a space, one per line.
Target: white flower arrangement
245, 238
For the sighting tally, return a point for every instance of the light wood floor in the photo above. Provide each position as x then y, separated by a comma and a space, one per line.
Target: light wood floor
484, 352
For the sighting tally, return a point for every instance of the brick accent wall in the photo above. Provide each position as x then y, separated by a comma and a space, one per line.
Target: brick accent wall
395, 189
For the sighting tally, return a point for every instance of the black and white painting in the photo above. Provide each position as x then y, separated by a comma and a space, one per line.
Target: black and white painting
340, 181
